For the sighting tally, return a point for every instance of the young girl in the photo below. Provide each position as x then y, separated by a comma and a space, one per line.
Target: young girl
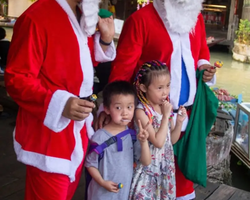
156, 181
115, 165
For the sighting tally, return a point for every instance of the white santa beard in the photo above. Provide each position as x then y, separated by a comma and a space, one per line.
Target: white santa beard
179, 17
89, 20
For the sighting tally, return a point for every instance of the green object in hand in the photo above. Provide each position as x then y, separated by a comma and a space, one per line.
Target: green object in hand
103, 13
191, 148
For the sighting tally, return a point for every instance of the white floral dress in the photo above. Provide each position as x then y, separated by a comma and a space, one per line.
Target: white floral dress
156, 181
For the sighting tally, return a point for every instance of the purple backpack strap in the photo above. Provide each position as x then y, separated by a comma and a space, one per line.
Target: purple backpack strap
133, 135
100, 148
119, 138
92, 146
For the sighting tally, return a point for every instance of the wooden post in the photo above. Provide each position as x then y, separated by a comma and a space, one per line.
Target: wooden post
231, 24
246, 12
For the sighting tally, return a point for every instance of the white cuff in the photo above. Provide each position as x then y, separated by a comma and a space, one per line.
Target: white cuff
203, 62
212, 82
108, 55
206, 62
54, 119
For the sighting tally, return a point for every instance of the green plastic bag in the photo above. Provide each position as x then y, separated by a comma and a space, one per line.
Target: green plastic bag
191, 148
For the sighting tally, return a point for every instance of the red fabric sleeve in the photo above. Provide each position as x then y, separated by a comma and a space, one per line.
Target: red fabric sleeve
204, 52
22, 75
129, 51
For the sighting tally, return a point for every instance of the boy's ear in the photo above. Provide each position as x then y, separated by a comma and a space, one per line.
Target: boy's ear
143, 88
106, 110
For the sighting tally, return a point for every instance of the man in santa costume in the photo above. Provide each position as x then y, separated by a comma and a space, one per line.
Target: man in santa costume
173, 32
49, 68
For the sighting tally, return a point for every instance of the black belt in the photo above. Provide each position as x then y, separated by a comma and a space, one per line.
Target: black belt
187, 108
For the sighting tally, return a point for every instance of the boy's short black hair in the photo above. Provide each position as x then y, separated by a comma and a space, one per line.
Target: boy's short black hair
2, 33
116, 88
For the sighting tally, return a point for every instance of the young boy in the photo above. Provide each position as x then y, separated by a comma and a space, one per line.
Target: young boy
116, 165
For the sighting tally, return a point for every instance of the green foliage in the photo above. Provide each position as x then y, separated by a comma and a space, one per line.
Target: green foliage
143, 1
3, 2
227, 105
243, 33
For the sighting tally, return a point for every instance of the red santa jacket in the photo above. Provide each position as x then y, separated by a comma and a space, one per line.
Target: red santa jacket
144, 37
49, 62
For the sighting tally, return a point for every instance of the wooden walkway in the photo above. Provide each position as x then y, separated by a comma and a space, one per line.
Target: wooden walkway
12, 173
215, 191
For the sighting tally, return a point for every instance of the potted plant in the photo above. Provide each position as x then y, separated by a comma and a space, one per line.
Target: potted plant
241, 50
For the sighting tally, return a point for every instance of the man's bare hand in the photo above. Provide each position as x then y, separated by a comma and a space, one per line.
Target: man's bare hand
208, 73
107, 28
77, 109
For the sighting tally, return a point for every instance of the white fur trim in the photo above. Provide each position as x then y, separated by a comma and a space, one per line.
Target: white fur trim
187, 197
52, 164
85, 57
86, 87
206, 62
77, 154
212, 81
181, 49
179, 16
87, 69
203, 62
90, 130
89, 20
176, 70
190, 67
54, 119
109, 54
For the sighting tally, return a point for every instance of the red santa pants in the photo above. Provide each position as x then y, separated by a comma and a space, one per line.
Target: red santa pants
42, 185
183, 186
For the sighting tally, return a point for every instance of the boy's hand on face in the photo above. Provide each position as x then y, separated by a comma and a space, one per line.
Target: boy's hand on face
110, 186
143, 134
182, 114
77, 109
